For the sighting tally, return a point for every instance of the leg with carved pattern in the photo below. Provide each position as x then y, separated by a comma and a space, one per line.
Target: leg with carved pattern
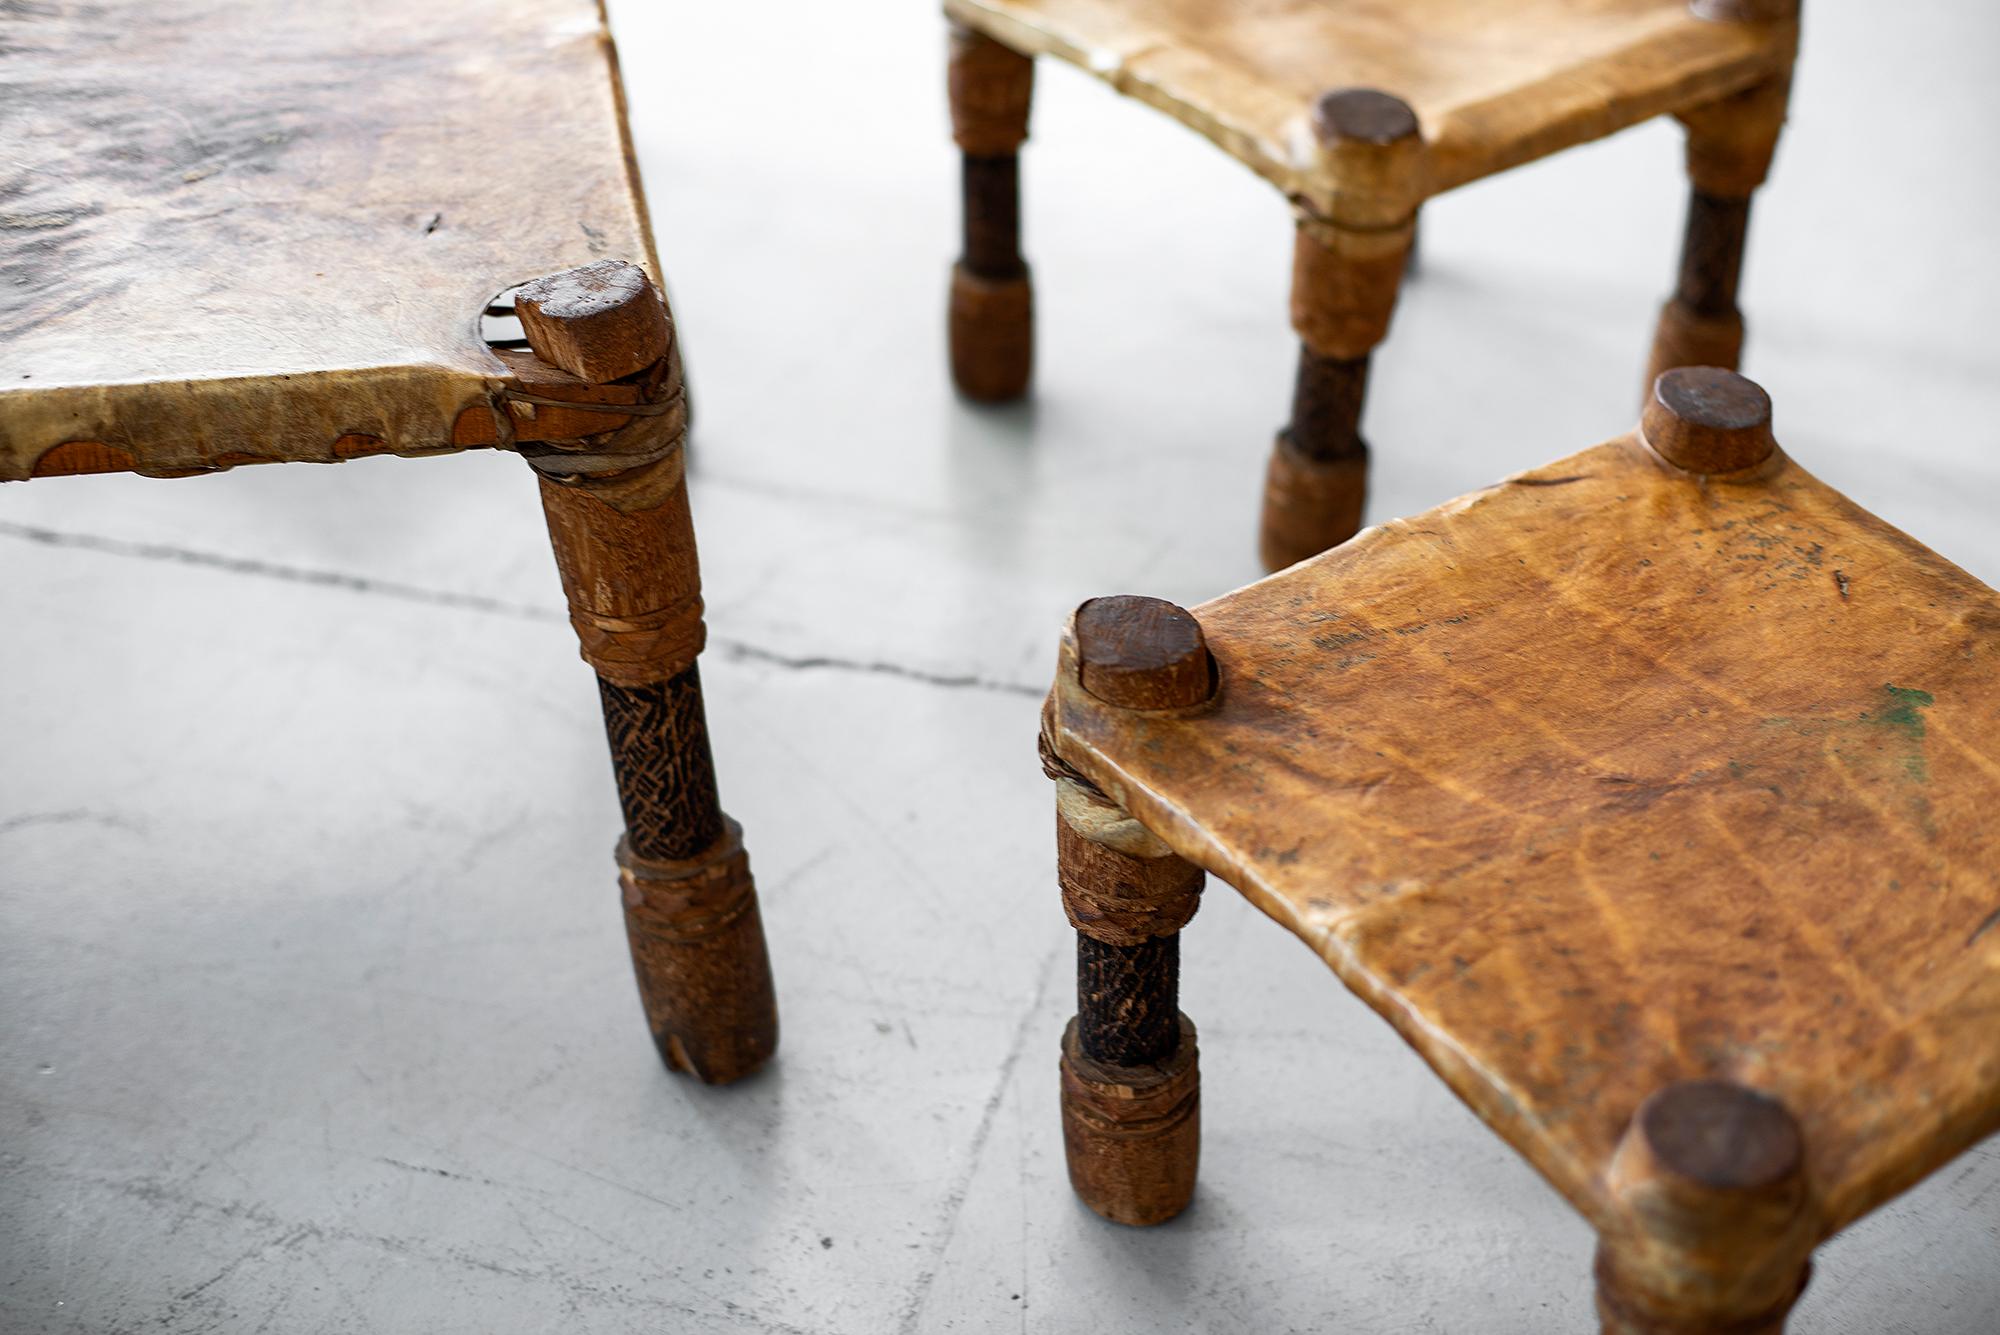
624, 543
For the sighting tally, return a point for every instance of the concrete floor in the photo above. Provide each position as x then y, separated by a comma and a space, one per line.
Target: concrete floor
314, 1006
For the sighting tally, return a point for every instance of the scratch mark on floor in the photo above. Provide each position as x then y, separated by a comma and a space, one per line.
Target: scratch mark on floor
954, 1201
475, 602
80, 816
444, 1172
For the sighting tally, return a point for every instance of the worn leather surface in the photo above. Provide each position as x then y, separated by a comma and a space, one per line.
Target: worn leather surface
1495, 83
1610, 776
233, 231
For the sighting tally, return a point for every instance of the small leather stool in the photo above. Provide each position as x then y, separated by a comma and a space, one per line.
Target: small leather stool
276, 236
1360, 110
1649, 795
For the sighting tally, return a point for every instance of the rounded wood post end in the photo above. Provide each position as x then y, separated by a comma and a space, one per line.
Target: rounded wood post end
600, 322
992, 335
1717, 1222
1364, 116
698, 952
1132, 1134
1370, 150
1708, 420
1704, 1155
1142, 653
1310, 505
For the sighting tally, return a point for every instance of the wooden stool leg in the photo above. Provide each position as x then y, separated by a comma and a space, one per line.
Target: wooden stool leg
1344, 286
1346, 272
1716, 1226
617, 509
690, 907
1729, 149
991, 328
1131, 1085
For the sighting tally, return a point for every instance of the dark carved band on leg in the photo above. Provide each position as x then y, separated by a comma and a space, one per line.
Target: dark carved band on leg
666, 773
1128, 1000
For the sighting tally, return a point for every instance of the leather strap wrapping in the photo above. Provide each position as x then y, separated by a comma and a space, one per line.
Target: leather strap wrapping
1120, 884
687, 900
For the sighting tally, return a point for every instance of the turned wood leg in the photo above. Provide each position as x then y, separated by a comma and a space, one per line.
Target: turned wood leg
991, 329
1716, 1226
1345, 278
1131, 1083
617, 511
1729, 149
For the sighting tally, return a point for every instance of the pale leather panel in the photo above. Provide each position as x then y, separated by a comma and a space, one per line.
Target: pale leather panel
234, 231
1607, 777
1495, 83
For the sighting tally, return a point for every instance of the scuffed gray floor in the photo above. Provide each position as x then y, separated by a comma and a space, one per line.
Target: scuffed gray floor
314, 1009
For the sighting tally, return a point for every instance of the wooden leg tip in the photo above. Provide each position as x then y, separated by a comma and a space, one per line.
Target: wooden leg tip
1621, 1310
704, 974
992, 335
1309, 505
1685, 338
1132, 1134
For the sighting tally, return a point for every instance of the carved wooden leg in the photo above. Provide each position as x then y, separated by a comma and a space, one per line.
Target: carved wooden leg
1131, 1085
1345, 277
617, 510
992, 330
1729, 149
1718, 1228
690, 907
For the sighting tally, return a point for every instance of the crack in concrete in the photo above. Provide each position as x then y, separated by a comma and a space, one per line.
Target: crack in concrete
961, 1187
736, 650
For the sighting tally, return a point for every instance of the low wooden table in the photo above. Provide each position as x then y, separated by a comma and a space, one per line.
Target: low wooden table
1359, 110
243, 233
1649, 795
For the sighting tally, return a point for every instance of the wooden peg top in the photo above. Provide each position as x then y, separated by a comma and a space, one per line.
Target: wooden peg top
1708, 420
1711, 1162
599, 322
1142, 653
1718, 1136
1364, 115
